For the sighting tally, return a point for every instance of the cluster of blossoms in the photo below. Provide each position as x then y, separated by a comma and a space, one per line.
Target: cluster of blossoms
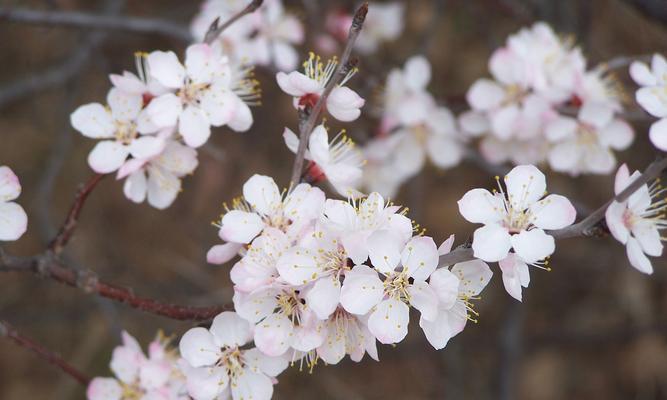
153, 123
157, 376
265, 37
13, 219
413, 127
652, 95
542, 104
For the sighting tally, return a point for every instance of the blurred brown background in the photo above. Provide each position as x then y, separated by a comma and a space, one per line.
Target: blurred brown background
593, 328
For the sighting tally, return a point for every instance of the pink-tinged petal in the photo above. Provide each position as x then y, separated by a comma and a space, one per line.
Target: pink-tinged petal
198, 347
505, 121
444, 152
491, 243
424, 298
344, 104
474, 275
596, 114
125, 363
163, 187
124, 106
299, 266
507, 67
618, 135
389, 322
297, 84
93, 121
658, 65
260, 363
207, 383
135, 187
417, 73
614, 216
128, 82
446, 286
525, 185
304, 203
333, 348
553, 212
474, 123
200, 63
641, 74
420, 257
292, 141
439, 331
400, 225
285, 57
145, 147
240, 226
341, 215
650, 99
10, 187
166, 69
104, 389
230, 330
446, 246
107, 156
222, 253
178, 159
479, 206
318, 144
273, 335
242, 118
194, 126
637, 257
219, 104
384, 250
262, 193
514, 273
565, 157
250, 385
155, 374
485, 95
533, 245
362, 290
658, 134
622, 179
163, 111
324, 296
257, 304
561, 128
648, 236
309, 334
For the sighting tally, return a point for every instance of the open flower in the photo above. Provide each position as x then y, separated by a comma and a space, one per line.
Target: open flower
637, 221
338, 160
220, 367
516, 218
346, 334
652, 95
13, 219
343, 103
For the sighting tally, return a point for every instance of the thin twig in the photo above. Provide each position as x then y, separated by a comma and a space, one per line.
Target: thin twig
11, 333
84, 20
308, 117
47, 266
215, 30
67, 229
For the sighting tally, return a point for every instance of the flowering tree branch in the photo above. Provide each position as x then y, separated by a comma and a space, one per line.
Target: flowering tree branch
215, 30
83, 20
11, 333
308, 117
589, 226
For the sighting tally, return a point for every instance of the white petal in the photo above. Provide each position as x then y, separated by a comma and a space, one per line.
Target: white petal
230, 330
362, 289
512, 268
250, 385
525, 185
553, 212
648, 236
444, 152
446, 285
206, 383
324, 296
420, 257
274, 334
474, 123
13, 221
384, 249
221, 253
256, 305
298, 266
618, 135
505, 121
10, 187
146, 147
481, 207
124, 106
637, 257
198, 347
474, 275
107, 156
424, 298
163, 111
444, 327
241, 119
240, 226
166, 69
485, 94
596, 114
533, 245
491, 243
658, 134
650, 99
641, 74
261, 363
194, 126
262, 193
318, 144
446, 246
104, 389
561, 128
615, 218
200, 63
344, 104
417, 73
135, 187
93, 121
163, 187
389, 322
296, 84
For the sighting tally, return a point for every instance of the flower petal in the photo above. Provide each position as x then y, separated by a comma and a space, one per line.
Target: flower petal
362, 290
420, 257
389, 322
553, 212
240, 226
525, 185
474, 275
198, 347
533, 245
230, 330
93, 121
491, 243
194, 126
262, 193
481, 207
166, 69
424, 298
273, 335
637, 257
384, 249
107, 156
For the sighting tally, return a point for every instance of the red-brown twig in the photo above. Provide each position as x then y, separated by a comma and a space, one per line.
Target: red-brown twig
52, 358
584, 228
69, 225
308, 117
215, 30
48, 266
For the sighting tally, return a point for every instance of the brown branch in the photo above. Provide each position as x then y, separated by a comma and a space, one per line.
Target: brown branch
215, 30
11, 333
49, 267
84, 20
69, 225
308, 117
587, 227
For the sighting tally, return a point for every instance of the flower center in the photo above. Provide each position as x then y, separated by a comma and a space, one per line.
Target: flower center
126, 132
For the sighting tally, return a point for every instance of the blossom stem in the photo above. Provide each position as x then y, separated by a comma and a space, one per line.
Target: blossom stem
67, 229
11, 333
215, 30
308, 117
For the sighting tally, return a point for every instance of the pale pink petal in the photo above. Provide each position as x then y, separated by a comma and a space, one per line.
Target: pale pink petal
658, 134
107, 156
194, 126
641, 74
261, 363
262, 193
389, 322
437, 332
242, 118
163, 111
207, 383
420, 257
618, 135
417, 73
10, 187
324, 296
163, 187
650, 99
384, 249
491, 243
273, 335
318, 144
444, 152
446, 286
553, 212
200, 63
648, 236
525, 185
596, 114
104, 389
93, 121
424, 298
474, 275
297, 84
504, 122
166, 69
198, 347
285, 57
299, 266
344, 104
637, 257
221, 253
230, 330
479, 206
474, 123
614, 216
362, 289
124, 106
511, 267
446, 246
135, 187
533, 245
485, 94
561, 128
250, 385
146, 147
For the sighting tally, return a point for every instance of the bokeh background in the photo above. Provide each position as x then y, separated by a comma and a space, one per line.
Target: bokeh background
593, 328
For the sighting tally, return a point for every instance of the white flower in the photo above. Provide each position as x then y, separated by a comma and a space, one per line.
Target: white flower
652, 95
118, 129
516, 218
406, 100
13, 219
383, 23
637, 221
585, 144
338, 159
218, 365
257, 268
261, 206
158, 178
343, 103
205, 93
346, 334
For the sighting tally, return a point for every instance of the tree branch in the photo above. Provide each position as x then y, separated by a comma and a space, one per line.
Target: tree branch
11, 333
307, 117
83, 20
215, 30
